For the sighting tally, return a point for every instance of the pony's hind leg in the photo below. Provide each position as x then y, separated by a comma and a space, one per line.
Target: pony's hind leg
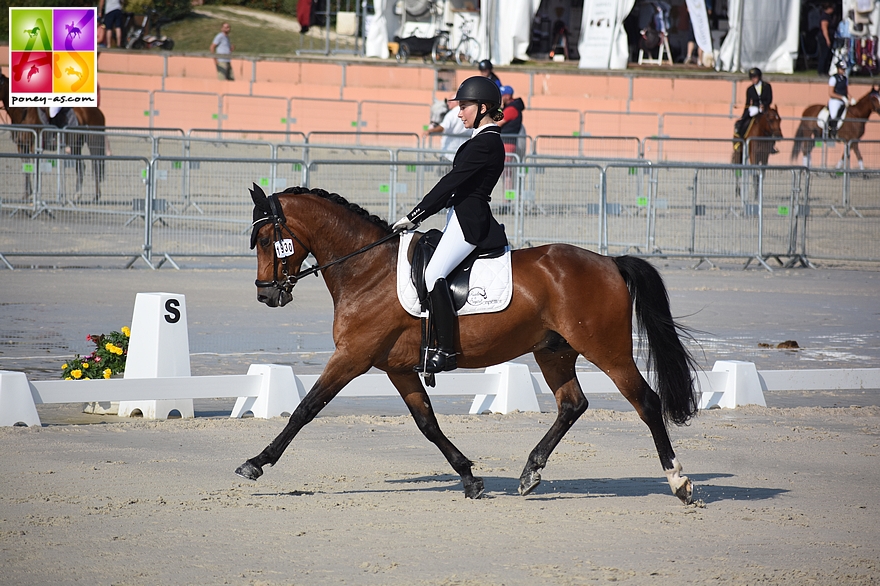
410, 388
557, 365
639, 393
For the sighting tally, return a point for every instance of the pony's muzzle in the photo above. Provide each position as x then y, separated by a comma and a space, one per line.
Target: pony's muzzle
273, 296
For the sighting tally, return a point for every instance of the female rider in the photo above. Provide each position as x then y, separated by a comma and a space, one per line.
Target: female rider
465, 192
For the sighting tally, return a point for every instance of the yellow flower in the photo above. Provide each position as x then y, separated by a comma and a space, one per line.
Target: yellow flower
63, 366
76, 373
107, 373
67, 378
110, 347
85, 364
127, 331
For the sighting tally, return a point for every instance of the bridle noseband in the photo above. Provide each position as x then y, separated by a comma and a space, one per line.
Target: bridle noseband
275, 215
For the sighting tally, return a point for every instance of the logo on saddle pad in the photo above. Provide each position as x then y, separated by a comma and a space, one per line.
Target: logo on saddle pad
484, 287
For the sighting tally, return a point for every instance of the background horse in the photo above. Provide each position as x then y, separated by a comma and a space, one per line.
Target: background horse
765, 124
852, 127
567, 302
86, 117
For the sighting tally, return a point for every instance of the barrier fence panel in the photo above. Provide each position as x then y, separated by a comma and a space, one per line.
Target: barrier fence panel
844, 232
96, 142
176, 146
373, 185
152, 131
812, 152
342, 152
273, 136
783, 195
55, 220
706, 211
629, 191
560, 203
689, 150
381, 139
591, 147
214, 217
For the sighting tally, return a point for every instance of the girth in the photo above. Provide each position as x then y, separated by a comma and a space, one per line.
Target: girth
420, 253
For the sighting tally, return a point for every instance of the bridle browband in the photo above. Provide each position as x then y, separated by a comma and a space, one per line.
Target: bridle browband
275, 215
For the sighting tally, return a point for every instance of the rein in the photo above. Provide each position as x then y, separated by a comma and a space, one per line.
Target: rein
289, 281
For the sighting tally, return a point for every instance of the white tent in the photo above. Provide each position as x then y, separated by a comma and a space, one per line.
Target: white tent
603, 43
763, 34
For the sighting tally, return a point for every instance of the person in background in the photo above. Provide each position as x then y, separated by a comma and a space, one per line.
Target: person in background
453, 131
826, 38
112, 21
486, 70
511, 124
838, 98
222, 46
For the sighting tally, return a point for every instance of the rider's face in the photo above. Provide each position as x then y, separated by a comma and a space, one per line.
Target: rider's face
467, 113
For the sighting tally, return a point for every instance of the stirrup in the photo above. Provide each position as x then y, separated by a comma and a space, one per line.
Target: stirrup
435, 360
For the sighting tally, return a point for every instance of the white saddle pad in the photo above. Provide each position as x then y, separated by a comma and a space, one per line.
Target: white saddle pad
491, 284
822, 117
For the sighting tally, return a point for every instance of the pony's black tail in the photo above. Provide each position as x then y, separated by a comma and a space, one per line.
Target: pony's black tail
798, 143
667, 356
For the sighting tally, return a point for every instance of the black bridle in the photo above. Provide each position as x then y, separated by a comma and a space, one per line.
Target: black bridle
275, 216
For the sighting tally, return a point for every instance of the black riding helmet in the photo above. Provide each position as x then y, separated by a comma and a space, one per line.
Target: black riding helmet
755, 72
481, 90
485, 65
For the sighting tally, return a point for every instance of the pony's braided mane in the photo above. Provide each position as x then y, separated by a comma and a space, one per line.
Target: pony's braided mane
338, 199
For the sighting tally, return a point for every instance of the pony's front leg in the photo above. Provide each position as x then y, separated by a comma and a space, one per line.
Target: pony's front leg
419, 403
340, 370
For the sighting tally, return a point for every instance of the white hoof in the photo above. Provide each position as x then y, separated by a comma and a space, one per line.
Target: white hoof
681, 486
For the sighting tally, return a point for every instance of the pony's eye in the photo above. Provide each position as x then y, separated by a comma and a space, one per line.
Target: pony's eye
264, 242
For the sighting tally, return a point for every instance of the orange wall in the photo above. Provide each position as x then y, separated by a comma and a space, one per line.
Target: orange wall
325, 96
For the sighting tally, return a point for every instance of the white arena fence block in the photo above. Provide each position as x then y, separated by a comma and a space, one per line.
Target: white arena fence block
742, 386
516, 390
158, 347
278, 393
16, 402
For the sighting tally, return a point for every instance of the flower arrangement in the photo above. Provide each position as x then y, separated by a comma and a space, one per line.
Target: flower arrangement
107, 359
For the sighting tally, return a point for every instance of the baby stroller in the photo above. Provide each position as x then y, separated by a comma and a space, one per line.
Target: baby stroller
415, 47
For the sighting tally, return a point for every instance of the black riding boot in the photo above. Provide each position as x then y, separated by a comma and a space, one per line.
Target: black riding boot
441, 317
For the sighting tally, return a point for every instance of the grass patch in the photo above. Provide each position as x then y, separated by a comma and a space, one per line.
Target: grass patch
195, 32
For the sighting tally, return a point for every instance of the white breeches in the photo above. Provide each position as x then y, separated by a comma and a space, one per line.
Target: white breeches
53, 111
451, 250
753, 111
834, 106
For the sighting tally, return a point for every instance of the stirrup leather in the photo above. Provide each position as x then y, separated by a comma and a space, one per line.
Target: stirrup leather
437, 353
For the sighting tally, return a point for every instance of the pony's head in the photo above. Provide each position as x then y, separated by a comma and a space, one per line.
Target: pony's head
279, 252
874, 96
774, 122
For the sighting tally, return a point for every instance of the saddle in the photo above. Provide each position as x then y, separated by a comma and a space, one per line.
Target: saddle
65, 117
420, 252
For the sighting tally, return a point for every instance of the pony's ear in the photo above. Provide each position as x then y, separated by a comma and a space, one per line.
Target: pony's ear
259, 197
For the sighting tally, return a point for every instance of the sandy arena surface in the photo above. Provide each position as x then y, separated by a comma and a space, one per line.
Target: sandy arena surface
786, 494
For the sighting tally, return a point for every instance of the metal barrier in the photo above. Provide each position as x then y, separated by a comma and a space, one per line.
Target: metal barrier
846, 229
666, 149
592, 147
56, 221
358, 138
289, 136
181, 200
